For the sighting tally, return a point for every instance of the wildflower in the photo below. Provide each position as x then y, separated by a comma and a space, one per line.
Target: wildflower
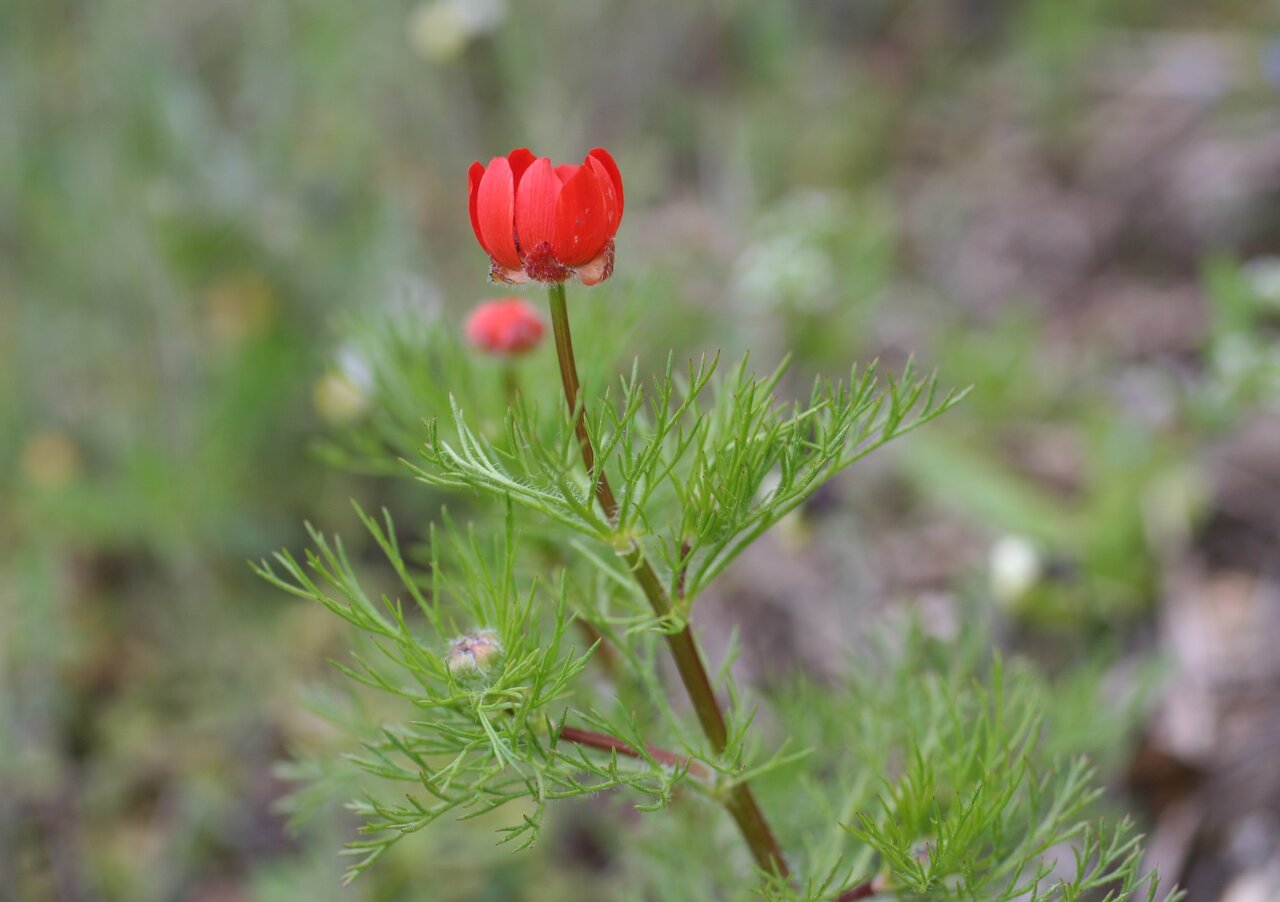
337, 398
1263, 275
1015, 568
473, 653
440, 30
506, 326
343, 393
547, 223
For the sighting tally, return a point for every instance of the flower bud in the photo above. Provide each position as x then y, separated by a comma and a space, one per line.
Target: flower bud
507, 326
473, 653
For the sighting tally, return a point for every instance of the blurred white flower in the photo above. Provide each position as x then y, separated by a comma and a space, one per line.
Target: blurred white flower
345, 391
1263, 275
1015, 567
411, 300
440, 30
786, 269
1238, 358
788, 266
355, 367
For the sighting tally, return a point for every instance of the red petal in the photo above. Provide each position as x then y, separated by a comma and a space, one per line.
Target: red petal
536, 205
520, 160
612, 202
495, 213
582, 219
601, 156
566, 172
474, 174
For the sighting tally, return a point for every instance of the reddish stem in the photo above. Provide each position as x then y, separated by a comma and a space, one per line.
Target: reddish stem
606, 653
608, 743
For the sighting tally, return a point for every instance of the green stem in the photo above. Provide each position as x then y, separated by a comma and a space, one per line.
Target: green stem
572, 388
740, 801
510, 383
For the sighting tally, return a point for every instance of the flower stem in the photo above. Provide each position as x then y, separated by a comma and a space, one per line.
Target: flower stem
510, 383
740, 801
572, 389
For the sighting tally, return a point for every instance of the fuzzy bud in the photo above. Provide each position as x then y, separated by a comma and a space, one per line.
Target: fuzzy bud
473, 653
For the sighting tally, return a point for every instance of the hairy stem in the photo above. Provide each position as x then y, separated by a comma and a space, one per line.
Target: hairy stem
740, 801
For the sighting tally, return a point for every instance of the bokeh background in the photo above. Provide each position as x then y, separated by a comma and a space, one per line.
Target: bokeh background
1071, 205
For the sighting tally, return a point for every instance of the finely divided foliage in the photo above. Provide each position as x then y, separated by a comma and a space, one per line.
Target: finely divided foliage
973, 814
699, 479
478, 742
923, 785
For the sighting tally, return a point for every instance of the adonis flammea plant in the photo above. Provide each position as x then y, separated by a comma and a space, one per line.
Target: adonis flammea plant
612, 514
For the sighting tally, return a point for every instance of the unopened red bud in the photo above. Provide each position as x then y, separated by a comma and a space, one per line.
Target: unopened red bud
507, 326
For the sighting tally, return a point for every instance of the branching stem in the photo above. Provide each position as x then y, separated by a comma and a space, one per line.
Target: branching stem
740, 801
608, 743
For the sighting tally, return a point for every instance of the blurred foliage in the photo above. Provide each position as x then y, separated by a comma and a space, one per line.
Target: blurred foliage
196, 199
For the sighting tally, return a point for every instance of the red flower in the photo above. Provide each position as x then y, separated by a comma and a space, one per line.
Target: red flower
547, 223
506, 326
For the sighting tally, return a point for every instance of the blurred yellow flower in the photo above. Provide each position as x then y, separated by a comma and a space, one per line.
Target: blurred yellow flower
337, 398
50, 460
239, 306
440, 30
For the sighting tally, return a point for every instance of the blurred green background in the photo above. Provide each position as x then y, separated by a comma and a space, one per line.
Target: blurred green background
1070, 204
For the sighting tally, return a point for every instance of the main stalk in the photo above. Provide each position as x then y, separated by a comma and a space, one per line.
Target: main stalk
740, 802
